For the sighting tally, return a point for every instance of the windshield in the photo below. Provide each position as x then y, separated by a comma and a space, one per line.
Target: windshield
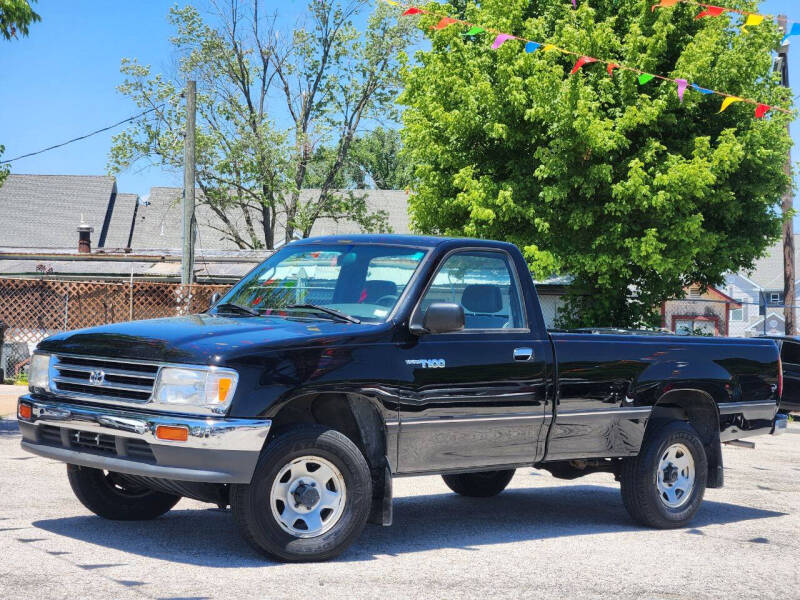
363, 281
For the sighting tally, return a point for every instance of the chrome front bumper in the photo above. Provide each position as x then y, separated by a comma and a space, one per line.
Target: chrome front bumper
218, 450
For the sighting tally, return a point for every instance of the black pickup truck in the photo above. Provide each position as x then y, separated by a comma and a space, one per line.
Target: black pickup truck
342, 362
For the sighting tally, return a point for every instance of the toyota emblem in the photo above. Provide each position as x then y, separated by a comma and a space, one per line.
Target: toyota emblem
97, 377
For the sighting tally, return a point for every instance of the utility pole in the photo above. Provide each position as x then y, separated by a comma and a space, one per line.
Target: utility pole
787, 203
187, 258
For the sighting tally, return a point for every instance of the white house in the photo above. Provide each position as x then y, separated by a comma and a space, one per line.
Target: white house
760, 292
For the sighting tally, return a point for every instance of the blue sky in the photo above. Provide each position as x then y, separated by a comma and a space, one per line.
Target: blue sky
60, 82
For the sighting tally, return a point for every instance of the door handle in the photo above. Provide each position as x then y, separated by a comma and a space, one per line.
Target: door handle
523, 353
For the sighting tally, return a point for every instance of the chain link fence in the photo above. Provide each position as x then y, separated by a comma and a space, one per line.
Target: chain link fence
704, 316
32, 309
740, 318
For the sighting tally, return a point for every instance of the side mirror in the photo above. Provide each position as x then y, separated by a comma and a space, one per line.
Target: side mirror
214, 299
443, 317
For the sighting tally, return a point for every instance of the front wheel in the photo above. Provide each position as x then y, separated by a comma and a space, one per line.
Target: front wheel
479, 485
111, 496
664, 485
309, 498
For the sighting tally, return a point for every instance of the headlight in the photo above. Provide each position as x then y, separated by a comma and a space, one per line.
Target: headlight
210, 388
39, 373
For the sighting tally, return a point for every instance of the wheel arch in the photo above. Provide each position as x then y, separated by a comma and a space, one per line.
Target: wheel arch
700, 410
360, 419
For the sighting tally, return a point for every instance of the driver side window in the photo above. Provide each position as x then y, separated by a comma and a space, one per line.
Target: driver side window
484, 285
386, 278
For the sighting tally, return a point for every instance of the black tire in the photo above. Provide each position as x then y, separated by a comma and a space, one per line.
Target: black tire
639, 478
111, 496
252, 508
479, 485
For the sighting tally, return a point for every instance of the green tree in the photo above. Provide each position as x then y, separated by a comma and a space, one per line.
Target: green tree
620, 185
276, 111
16, 17
4, 170
378, 159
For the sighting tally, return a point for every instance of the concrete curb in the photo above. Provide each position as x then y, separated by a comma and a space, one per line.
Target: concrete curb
9, 425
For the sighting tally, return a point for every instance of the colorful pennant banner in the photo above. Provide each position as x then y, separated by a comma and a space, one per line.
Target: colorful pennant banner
582, 60
712, 10
795, 30
645, 78
682, 85
531, 47
501, 39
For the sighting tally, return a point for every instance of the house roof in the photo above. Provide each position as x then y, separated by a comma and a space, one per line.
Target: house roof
722, 296
773, 317
159, 222
45, 210
213, 266
119, 230
768, 271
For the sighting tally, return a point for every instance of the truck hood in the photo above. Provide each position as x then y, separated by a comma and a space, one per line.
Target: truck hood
198, 339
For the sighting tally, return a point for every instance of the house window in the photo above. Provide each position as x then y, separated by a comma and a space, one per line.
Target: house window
739, 314
694, 325
774, 298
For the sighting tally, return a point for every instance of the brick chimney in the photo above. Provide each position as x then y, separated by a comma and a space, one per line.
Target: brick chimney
84, 237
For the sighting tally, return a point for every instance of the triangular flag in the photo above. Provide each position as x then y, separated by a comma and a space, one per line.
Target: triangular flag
664, 4
531, 47
501, 39
761, 110
682, 85
710, 11
412, 11
583, 60
752, 20
610, 68
574, 4
795, 30
475, 30
392, 2
702, 90
645, 77
444, 23
549, 47
728, 101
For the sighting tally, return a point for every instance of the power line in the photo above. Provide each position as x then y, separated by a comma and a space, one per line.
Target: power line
83, 137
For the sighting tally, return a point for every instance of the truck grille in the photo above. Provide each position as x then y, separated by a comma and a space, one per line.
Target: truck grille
102, 378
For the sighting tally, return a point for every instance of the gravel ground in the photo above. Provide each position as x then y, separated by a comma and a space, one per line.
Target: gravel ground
541, 538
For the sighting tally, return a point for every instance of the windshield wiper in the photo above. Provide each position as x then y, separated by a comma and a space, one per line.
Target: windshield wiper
237, 308
328, 311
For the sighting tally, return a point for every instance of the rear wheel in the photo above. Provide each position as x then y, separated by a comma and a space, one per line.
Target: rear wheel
111, 496
664, 485
309, 498
479, 485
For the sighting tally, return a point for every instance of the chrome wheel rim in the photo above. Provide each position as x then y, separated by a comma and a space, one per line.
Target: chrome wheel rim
308, 496
676, 476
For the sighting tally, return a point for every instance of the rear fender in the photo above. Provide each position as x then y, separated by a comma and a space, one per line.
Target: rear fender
700, 410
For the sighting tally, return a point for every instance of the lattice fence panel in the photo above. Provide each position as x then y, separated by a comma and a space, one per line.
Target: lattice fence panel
32, 309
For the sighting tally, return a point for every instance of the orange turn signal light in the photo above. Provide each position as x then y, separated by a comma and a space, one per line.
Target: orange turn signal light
24, 411
172, 434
